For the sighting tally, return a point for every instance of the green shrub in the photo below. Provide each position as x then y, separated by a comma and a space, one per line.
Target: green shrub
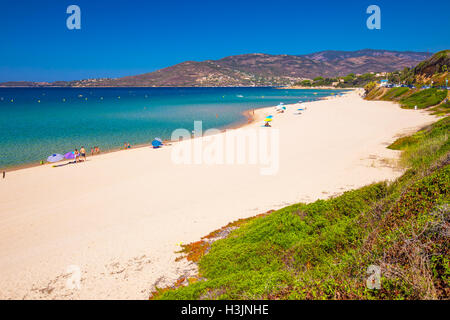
424, 98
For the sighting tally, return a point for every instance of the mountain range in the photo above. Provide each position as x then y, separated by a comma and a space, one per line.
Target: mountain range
256, 69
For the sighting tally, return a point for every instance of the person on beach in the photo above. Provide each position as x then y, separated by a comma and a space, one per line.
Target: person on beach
97, 150
92, 151
83, 153
77, 155
4, 174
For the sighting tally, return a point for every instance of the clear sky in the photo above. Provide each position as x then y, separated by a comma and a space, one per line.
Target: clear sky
120, 37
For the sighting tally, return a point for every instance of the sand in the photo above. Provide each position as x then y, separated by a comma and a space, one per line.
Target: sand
119, 218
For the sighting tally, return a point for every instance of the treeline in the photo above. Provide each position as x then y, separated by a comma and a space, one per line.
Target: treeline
349, 81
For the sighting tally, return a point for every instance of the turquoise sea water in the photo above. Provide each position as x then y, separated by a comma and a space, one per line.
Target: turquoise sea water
37, 122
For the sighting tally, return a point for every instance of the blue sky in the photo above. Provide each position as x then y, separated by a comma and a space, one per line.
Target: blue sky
119, 38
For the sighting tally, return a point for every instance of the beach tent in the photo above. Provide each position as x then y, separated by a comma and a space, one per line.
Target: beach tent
69, 155
55, 157
157, 142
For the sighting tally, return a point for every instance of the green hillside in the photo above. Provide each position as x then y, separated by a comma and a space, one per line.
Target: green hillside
438, 63
432, 71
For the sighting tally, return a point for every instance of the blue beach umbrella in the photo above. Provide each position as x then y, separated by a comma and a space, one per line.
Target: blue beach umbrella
157, 142
55, 157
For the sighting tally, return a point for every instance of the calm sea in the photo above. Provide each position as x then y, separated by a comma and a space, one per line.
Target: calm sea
37, 122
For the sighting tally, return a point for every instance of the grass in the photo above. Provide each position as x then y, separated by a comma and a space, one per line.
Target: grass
322, 250
442, 109
408, 98
394, 93
424, 98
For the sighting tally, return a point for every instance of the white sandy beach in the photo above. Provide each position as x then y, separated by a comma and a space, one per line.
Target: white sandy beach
120, 216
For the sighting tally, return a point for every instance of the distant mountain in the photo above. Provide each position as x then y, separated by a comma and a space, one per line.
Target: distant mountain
23, 84
331, 55
259, 69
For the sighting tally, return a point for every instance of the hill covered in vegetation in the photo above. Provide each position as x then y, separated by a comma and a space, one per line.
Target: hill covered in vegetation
426, 89
432, 71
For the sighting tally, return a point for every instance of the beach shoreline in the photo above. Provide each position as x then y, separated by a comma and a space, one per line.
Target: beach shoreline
248, 114
121, 217
251, 115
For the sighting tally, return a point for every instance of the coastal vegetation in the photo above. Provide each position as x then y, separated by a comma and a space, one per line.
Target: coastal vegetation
418, 93
323, 250
410, 98
349, 81
424, 99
